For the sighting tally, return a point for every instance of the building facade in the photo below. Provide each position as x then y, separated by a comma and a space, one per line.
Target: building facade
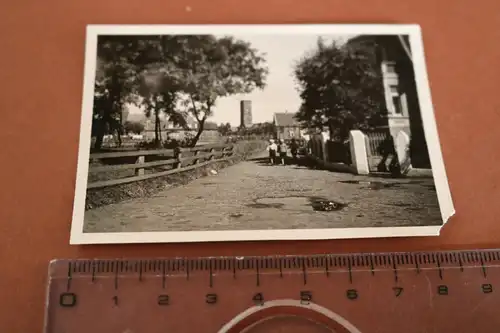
394, 57
287, 127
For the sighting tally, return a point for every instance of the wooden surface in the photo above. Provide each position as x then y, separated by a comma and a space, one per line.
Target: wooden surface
42, 48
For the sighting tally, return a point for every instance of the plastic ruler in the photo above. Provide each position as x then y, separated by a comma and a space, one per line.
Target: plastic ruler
377, 292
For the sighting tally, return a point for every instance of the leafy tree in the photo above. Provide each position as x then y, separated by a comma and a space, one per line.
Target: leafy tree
160, 81
214, 67
341, 88
224, 129
115, 84
178, 76
133, 127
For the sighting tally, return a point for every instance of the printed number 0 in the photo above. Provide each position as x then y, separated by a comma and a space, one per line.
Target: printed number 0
67, 300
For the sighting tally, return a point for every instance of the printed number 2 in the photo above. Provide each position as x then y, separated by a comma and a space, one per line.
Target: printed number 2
305, 297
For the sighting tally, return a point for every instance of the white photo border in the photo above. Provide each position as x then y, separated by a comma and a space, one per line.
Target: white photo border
427, 113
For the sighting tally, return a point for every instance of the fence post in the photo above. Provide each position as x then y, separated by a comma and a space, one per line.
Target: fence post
325, 136
196, 153
178, 154
402, 146
358, 152
140, 171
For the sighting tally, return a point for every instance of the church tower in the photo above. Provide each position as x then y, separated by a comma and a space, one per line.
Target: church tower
245, 114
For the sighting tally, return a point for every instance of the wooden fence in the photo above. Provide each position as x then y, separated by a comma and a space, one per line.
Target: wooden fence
146, 164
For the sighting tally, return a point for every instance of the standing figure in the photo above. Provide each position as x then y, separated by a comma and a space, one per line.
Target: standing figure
282, 150
294, 147
272, 148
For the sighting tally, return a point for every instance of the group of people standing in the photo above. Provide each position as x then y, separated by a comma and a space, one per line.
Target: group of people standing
278, 151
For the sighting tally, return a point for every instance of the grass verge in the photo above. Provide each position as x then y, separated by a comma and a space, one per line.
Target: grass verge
142, 189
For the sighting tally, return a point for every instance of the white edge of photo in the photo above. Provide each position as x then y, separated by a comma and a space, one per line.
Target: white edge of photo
78, 237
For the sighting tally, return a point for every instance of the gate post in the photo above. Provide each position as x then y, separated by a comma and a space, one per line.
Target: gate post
359, 156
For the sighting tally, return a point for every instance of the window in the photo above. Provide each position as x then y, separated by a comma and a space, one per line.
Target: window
398, 107
397, 100
390, 67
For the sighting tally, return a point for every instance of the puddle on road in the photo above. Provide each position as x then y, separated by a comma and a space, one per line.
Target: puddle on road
299, 203
401, 204
372, 185
265, 205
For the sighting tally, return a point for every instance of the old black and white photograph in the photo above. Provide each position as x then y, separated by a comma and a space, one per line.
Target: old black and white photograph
257, 132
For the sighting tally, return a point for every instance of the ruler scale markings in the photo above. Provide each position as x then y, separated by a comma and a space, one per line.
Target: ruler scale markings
93, 271
483, 268
68, 284
460, 262
234, 268
394, 268
350, 270
327, 266
257, 273
211, 274
280, 264
483, 261
163, 274
304, 271
116, 268
440, 270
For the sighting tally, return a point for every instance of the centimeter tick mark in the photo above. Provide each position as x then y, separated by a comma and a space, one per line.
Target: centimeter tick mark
461, 264
234, 269
187, 270
163, 274
258, 274
350, 271
417, 266
483, 268
68, 284
93, 271
281, 267
304, 272
116, 274
395, 269
211, 274
440, 270
327, 268
140, 271
372, 269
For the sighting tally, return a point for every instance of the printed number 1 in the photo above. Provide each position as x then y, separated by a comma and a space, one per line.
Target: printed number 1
398, 291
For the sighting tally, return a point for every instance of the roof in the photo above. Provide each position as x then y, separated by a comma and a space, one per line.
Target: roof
285, 119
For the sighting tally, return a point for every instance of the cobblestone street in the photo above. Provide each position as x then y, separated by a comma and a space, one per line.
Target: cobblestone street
253, 195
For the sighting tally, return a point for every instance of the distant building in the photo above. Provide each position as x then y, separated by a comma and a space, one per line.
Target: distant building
401, 99
287, 126
245, 114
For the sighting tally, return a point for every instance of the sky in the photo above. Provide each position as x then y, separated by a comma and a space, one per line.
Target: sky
280, 94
